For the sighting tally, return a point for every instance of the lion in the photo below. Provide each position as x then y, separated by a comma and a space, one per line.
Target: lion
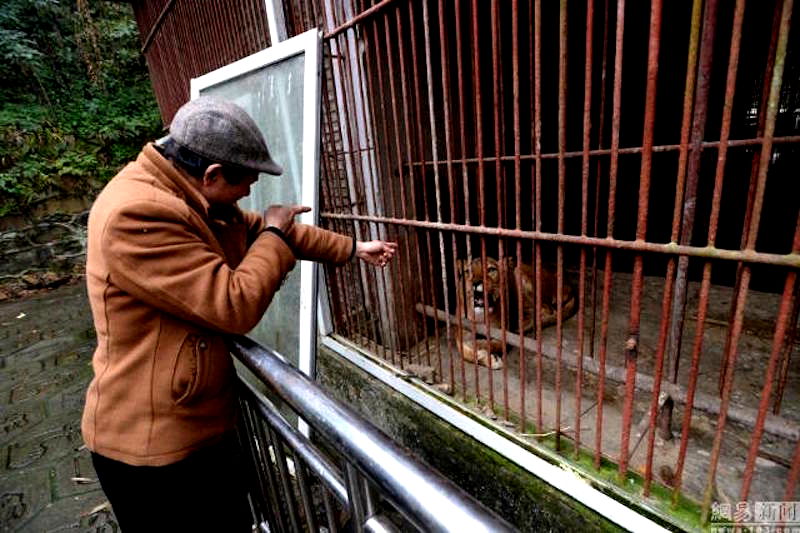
480, 303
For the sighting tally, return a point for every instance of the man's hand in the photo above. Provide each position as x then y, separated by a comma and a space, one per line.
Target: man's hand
282, 216
377, 252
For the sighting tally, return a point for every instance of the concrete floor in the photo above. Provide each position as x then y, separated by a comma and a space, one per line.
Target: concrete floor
771, 472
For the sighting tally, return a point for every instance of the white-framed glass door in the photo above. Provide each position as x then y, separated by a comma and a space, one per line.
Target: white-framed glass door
279, 87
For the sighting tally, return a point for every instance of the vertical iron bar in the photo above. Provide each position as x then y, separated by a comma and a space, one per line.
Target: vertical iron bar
382, 170
562, 170
712, 232
612, 192
445, 65
286, 482
305, 495
333, 525
497, 97
388, 334
763, 169
587, 131
437, 184
537, 251
356, 158
632, 344
766, 391
376, 96
751, 192
601, 126
465, 177
481, 177
421, 157
706, 56
409, 144
357, 515
518, 204
787, 353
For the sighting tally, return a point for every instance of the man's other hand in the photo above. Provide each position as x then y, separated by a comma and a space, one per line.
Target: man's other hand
377, 252
282, 216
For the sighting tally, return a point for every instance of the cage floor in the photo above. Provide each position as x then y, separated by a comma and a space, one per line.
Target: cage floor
778, 442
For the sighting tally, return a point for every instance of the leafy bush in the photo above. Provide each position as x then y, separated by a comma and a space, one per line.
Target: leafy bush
76, 103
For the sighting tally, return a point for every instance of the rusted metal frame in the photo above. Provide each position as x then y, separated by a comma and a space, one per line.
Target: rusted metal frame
751, 190
157, 26
518, 203
371, 12
367, 287
787, 352
631, 150
747, 256
376, 96
212, 59
612, 190
177, 30
358, 172
688, 98
445, 65
537, 216
766, 391
333, 196
497, 99
763, 169
632, 344
481, 179
700, 112
587, 130
712, 232
386, 301
409, 157
420, 151
329, 96
436, 180
562, 170
465, 178
598, 175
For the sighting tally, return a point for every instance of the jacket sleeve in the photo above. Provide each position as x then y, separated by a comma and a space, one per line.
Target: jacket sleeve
310, 243
156, 254
316, 244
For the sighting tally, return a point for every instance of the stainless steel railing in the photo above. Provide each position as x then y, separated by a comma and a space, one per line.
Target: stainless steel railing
349, 476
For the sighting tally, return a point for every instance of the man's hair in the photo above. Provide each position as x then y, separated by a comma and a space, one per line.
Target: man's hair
196, 165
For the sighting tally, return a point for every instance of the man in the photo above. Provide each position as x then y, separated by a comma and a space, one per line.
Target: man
172, 266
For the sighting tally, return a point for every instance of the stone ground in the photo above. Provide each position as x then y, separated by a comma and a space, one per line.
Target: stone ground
47, 483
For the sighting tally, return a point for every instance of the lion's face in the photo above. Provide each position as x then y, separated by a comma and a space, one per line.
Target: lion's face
481, 294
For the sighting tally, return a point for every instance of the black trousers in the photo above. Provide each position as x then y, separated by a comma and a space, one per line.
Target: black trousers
204, 492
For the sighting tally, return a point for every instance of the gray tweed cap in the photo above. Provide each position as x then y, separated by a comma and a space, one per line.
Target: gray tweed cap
222, 132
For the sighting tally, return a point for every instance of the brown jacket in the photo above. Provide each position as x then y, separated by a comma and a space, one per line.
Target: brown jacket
166, 278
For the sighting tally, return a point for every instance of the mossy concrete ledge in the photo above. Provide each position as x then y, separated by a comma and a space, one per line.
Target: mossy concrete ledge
526, 501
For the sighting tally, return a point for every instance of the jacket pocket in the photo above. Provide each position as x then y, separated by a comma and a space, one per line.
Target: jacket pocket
187, 372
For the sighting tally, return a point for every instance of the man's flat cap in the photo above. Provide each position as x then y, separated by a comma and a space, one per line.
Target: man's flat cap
222, 132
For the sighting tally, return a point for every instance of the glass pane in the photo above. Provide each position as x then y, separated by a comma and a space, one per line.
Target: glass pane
273, 95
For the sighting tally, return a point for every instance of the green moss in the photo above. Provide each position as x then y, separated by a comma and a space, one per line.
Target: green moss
522, 498
525, 500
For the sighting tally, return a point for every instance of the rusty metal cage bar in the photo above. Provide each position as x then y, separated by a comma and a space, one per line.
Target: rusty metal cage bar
460, 182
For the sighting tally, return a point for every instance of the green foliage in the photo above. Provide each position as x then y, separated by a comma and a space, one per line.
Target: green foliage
75, 104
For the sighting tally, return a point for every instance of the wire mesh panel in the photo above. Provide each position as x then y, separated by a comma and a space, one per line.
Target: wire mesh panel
597, 210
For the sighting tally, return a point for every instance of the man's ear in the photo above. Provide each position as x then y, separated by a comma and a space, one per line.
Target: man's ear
212, 173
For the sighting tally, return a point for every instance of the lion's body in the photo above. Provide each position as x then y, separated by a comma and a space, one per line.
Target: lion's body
494, 296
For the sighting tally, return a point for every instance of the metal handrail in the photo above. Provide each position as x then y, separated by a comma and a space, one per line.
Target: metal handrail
424, 498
